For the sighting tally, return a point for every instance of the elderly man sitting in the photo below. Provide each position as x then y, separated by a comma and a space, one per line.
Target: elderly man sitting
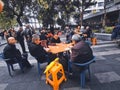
10, 51
37, 51
81, 51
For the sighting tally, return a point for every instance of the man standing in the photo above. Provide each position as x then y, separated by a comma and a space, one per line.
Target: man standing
20, 39
28, 34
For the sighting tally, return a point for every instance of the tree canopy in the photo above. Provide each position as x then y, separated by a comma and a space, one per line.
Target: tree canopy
48, 12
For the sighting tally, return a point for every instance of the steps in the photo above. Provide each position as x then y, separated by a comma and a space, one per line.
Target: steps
100, 42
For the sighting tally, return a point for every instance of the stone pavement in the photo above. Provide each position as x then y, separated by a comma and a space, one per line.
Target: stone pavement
105, 73
2, 42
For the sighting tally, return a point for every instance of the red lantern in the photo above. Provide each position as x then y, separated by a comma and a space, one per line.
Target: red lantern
1, 6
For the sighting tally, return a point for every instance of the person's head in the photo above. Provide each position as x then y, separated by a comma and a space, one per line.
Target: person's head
36, 39
76, 31
56, 36
87, 27
42, 31
27, 25
11, 40
78, 26
76, 38
82, 27
20, 29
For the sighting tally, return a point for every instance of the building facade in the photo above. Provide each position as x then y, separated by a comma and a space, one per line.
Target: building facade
111, 8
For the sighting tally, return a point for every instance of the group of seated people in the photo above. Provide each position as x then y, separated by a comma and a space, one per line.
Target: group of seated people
85, 32
80, 52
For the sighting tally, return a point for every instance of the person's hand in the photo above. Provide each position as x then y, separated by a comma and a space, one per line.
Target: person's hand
46, 49
64, 42
70, 46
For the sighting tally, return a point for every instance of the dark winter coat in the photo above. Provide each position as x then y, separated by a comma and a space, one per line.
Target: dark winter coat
38, 52
81, 52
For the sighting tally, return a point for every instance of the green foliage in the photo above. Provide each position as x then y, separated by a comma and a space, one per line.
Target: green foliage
64, 7
6, 22
81, 5
108, 29
18, 8
46, 11
95, 31
60, 22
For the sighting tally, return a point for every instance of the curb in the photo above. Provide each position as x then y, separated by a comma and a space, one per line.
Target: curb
105, 42
106, 45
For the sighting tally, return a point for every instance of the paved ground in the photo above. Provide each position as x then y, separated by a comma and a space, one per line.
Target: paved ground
2, 42
105, 73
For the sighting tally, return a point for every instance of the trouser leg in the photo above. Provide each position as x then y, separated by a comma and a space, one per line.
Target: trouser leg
23, 46
25, 61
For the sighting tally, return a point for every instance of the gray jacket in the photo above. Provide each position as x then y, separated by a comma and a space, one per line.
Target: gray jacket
81, 52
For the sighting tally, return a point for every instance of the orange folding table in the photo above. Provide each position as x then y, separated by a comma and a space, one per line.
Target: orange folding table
59, 47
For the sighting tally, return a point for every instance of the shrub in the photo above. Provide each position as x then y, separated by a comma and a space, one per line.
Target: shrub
108, 29
95, 31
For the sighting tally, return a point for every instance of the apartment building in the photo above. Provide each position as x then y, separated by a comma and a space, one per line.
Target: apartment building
110, 7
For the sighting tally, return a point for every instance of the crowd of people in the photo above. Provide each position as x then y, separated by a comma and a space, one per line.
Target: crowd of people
37, 44
84, 32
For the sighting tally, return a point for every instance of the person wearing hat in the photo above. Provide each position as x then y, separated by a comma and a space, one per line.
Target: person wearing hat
81, 51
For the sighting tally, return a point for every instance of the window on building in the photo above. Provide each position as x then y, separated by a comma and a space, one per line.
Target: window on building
109, 1
100, 4
94, 5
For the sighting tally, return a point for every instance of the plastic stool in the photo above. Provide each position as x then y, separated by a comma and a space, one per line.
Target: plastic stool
55, 74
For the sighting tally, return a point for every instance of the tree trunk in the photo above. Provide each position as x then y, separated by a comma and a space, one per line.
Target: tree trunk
104, 17
81, 18
67, 18
81, 15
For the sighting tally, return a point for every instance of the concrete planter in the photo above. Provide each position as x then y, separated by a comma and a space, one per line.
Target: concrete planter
103, 36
